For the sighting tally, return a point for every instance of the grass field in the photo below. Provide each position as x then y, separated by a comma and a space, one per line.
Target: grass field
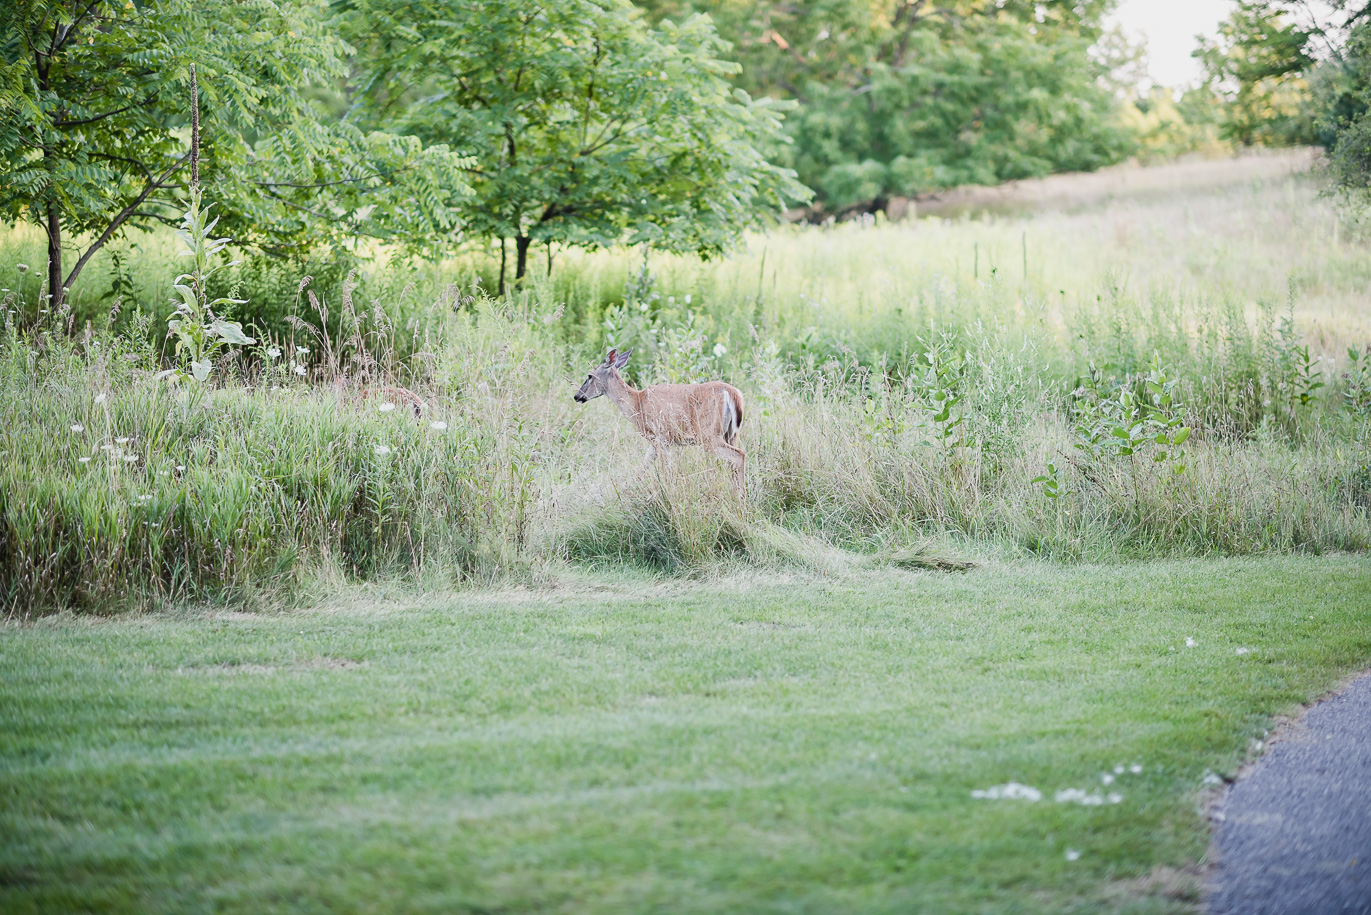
761, 742
274, 643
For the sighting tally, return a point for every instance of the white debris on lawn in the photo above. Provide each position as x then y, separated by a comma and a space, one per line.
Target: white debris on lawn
1012, 791
1073, 855
1078, 796
1210, 779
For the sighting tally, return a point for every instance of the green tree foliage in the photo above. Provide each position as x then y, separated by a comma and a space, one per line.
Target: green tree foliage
94, 96
1168, 123
899, 97
1345, 93
588, 127
1259, 66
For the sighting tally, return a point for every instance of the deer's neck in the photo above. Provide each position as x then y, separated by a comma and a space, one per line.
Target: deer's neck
628, 399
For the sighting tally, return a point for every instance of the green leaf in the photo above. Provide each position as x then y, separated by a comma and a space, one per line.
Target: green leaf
201, 370
231, 332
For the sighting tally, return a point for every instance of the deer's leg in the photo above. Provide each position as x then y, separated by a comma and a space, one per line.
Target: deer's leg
656, 451
738, 458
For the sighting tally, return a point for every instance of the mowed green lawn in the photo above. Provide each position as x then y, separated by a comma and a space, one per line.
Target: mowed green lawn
759, 744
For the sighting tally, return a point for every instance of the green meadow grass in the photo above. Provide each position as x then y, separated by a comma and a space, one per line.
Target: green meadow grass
754, 742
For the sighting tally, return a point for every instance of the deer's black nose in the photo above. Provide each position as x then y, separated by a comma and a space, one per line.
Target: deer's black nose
578, 398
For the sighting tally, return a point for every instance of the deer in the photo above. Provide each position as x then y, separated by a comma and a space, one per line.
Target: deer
707, 414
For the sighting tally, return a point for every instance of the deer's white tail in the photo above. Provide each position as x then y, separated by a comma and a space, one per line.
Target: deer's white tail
733, 417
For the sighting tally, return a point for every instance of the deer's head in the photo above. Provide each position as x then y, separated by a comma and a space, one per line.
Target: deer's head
597, 382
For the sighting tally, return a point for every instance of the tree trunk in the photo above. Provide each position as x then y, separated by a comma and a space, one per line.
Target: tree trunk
501, 290
54, 255
521, 244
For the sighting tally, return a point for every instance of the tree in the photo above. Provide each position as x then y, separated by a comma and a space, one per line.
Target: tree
1345, 93
93, 115
589, 128
1259, 64
900, 97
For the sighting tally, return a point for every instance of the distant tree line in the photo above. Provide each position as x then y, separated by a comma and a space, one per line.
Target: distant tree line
677, 124
1287, 72
902, 97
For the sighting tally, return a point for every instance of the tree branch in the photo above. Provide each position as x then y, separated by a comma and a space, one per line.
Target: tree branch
397, 171
70, 30
324, 216
107, 114
123, 216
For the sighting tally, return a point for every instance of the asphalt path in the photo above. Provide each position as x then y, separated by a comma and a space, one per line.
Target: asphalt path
1293, 835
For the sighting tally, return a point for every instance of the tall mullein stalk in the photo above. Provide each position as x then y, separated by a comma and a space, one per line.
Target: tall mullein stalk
198, 332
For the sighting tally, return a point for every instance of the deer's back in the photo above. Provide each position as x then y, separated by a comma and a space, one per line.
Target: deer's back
692, 414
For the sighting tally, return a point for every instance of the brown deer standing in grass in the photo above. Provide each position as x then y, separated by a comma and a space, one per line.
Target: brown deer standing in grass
706, 414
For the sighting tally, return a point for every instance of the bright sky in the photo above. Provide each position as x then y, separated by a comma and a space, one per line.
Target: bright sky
1170, 27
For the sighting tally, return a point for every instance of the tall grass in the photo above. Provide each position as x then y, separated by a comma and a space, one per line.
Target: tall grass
898, 406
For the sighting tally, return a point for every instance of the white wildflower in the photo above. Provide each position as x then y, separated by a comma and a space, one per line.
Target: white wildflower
719, 350
180, 467
302, 350
77, 427
274, 353
84, 460
1118, 770
439, 425
687, 298
1244, 650
100, 398
122, 440
1010, 791
382, 450
1135, 769
1107, 778
1189, 642
1073, 855
23, 268
130, 458
300, 370
386, 407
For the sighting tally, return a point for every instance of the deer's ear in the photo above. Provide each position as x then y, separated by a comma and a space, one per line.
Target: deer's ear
609, 360
623, 359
